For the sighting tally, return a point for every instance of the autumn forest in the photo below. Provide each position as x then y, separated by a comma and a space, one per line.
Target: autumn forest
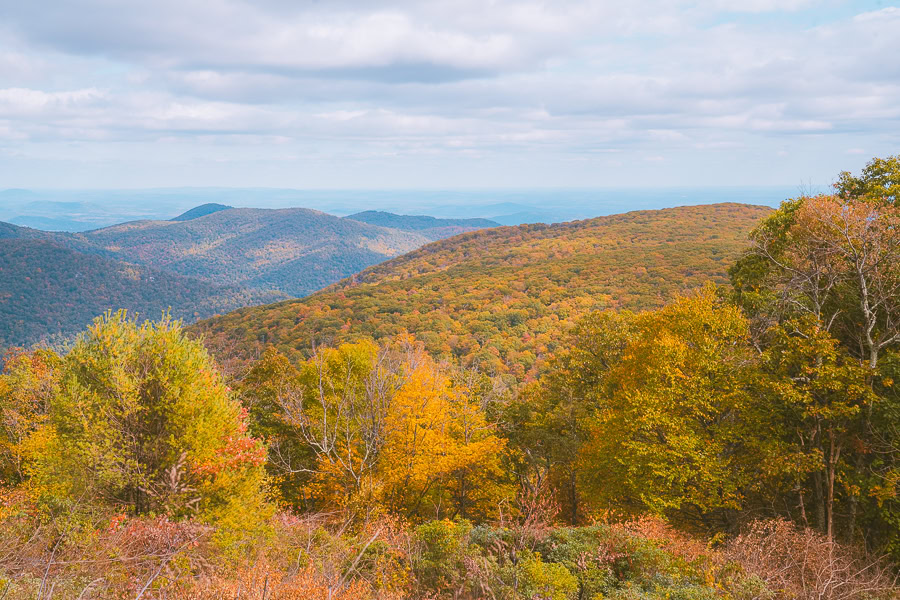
694, 403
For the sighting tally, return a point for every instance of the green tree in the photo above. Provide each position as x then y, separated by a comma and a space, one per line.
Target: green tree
836, 260
818, 397
547, 423
878, 181
272, 384
144, 422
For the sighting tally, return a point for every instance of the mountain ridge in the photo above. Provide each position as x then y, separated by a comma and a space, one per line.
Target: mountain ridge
237, 253
200, 211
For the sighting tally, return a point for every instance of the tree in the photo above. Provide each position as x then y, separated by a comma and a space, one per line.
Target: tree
143, 422
547, 423
833, 264
335, 408
361, 425
27, 385
836, 258
671, 428
271, 385
819, 393
879, 181
442, 457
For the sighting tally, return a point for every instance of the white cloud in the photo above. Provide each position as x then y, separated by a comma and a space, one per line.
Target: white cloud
503, 78
27, 102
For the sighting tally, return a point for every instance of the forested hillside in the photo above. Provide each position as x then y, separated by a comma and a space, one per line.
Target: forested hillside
48, 291
502, 297
211, 259
296, 250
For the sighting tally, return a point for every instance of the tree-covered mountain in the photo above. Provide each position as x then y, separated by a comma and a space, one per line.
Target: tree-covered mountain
501, 297
47, 291
294, 250
210, 259
432, 227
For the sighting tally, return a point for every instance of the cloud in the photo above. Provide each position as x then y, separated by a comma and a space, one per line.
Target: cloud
504, 80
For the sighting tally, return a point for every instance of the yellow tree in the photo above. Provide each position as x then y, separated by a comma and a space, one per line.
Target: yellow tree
442, 458
337, 410
142, 421
28, 382
670, 415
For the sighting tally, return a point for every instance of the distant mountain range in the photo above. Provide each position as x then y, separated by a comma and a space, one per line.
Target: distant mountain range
84, 210
430, 227
210, 259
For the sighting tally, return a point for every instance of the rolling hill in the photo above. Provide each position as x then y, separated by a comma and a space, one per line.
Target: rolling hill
503, 296
48, 291
201, 211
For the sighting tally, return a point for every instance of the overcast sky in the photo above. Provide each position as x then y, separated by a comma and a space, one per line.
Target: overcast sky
444, 94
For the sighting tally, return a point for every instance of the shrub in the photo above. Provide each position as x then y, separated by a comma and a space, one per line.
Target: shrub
441, 549
545, 581
803, 564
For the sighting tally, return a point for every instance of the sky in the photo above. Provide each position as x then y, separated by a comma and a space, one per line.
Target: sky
356, 94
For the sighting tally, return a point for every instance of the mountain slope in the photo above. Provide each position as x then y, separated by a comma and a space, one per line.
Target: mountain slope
201, 211
47, 290
233, 251
502, 296
294, 250
431, 227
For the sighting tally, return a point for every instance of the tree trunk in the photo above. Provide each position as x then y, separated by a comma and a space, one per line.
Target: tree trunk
834, 456
573, 496
819, 493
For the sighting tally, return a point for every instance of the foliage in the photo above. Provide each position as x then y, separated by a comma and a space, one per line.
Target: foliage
669, 425
503, 298
442, 456
552, 581
547, 424
360, 426
878, 181
143, 422
318, 556
821, 285
818, 397
27, 385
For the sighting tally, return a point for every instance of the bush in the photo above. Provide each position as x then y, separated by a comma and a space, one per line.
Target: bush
441, 549
545, 581
803, 564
